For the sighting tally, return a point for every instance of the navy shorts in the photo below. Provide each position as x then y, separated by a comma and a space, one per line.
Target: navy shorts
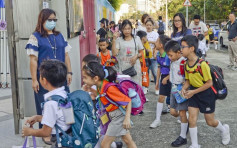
164, 89
205, 101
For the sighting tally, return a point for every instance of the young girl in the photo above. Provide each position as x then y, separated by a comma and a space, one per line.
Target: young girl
197, 89
152, 36
94, 74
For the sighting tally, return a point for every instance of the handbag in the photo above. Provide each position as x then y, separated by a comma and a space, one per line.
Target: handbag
131, 71
25, 145
145, 75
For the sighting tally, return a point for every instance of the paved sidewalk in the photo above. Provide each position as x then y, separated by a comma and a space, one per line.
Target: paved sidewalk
161, 137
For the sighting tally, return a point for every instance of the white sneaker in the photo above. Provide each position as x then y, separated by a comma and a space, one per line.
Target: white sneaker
155, 123
147, 100
178, 121
157, 92
226, 135
191, 146
145, 90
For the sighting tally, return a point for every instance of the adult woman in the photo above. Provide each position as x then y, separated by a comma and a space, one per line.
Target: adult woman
46, 43
152, 37
127, 49
179, 27
143, 26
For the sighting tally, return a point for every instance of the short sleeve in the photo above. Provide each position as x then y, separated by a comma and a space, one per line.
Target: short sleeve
186, 73
139, 44
189, 32
32, 47
50, 115
117, 43
205, 29
206, 71
67, 46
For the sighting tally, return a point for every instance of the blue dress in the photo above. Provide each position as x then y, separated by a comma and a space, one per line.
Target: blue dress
44, 48
178, 36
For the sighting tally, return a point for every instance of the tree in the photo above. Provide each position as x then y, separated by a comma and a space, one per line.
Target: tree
116, 4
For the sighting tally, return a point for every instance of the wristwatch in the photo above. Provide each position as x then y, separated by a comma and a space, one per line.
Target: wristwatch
70, 73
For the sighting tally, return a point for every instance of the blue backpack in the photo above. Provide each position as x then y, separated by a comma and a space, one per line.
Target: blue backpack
85, 130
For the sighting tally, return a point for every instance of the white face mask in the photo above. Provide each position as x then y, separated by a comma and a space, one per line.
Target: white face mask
50, 25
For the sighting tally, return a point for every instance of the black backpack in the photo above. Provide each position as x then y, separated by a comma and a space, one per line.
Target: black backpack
219, 86
161, 29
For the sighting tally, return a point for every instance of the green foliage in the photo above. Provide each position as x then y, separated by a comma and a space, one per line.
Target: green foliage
215, 9
116, 3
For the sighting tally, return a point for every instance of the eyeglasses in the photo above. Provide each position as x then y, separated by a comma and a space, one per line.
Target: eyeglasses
182, 47
50, 20
176, 21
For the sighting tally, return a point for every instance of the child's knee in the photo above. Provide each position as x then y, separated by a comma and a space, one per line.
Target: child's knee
182, 114
212, 123
174, 113
161, 99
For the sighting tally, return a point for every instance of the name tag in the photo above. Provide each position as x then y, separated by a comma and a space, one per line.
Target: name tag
68, 113
104, 119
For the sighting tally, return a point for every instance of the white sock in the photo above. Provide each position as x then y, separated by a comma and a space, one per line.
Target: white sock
184, 127
113, 145
159, 108
220, 127
193, 136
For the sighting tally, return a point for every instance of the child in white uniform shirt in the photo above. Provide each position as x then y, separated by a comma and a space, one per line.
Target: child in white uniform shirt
53, 74
173, 50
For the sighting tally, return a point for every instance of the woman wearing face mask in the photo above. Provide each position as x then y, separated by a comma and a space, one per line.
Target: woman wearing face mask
46, 43
127, 50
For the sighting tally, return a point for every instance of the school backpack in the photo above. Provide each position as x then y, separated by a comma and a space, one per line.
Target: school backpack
219, 87
161, 29
85, 130
130, 89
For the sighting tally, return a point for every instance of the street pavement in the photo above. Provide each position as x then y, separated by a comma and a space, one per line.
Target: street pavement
161, 137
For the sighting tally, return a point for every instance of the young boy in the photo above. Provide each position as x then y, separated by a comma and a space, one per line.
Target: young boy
197, 89
53, 74
172, 48
147, 52
105, 55
163, 72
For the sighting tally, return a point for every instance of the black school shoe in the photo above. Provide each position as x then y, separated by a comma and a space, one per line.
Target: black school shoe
179, 141
119, 144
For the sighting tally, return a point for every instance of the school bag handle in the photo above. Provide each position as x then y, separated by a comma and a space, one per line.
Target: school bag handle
26, 139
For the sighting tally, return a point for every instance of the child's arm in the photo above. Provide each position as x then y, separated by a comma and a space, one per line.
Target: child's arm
45, 131
185, 87
126, 122
190, 93
157, 78
165, 80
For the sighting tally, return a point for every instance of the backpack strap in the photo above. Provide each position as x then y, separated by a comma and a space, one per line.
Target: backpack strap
56, 98
199, 69
57, 135
182, 67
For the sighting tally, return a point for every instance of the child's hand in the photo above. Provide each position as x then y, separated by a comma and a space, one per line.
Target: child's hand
133, 60
183, 92
189, 94
157, 86
164, 81
26, 131
116, 35
85, 87
126, 124
32, 120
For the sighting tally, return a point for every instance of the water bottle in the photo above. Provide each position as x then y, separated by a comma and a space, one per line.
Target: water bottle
136, 101
177, 94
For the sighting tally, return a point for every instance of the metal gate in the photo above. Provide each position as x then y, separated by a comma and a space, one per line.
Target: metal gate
4, 53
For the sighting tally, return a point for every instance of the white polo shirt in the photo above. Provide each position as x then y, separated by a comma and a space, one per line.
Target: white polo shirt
175, 75
52, 114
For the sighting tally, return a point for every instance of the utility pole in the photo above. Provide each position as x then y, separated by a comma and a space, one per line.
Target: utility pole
204, 11
166, 15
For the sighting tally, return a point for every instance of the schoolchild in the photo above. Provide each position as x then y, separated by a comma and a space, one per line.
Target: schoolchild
147, 52
172, 48
93, 93
105, 55
95, 74
163, 77
197, 89
53, 74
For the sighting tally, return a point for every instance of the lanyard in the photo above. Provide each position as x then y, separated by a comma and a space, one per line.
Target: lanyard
98, 93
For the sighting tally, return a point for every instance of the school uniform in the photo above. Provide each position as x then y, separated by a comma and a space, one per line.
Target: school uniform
177, 78
206, 99
164, 65
115, 128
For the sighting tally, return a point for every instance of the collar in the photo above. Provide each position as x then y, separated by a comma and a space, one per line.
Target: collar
163, 54
59, 91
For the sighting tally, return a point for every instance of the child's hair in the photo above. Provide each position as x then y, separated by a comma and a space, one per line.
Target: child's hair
164, 39
192, 41
54, 71
93, 69
149, 20
141, 34
91, 57
172, 46
200, 37
103, 40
